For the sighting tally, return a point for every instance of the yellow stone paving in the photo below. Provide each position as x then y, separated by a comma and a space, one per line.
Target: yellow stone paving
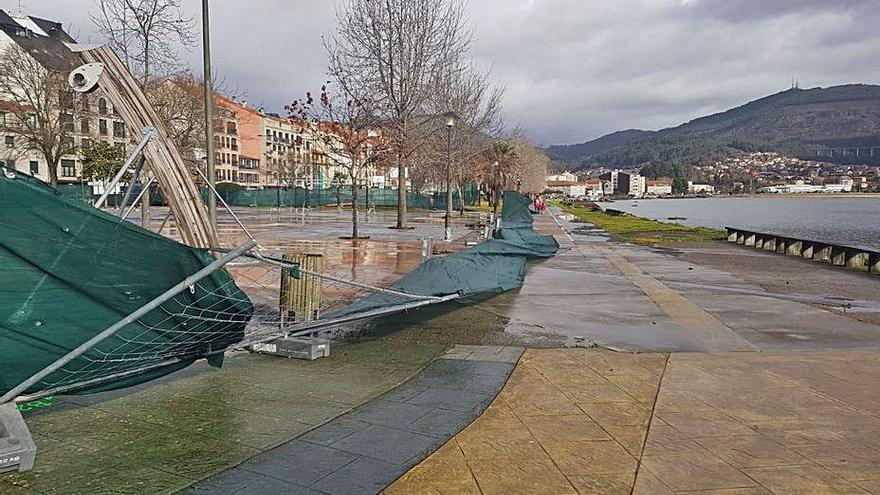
587, 422
568, 421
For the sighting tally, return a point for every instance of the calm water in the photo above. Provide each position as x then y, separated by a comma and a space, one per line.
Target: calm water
850, 221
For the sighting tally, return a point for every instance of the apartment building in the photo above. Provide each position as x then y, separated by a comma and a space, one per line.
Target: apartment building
226, 146
44, 41
248, 140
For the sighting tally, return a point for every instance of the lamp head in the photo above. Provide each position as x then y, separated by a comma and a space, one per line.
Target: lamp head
451, 119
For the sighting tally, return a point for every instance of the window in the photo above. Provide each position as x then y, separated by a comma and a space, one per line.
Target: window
35, 168
10, 141
84, 126
68, 168
31, 120
102, 127
102, 106
85, 143
231, 128
119, 129
68, 144
234, 144
67, 122
2, 119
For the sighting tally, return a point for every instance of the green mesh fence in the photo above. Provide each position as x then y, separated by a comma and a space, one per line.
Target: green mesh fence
327, 197
69, 271
297, 197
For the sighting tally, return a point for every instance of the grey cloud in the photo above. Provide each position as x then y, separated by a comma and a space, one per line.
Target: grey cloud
573, 69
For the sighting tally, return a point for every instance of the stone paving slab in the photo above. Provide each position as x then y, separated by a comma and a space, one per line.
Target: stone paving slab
367, 449
163, 436
602, 423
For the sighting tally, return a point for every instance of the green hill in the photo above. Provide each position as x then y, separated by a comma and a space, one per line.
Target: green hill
796, 122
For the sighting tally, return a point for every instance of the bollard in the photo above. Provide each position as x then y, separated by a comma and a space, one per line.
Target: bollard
427, 249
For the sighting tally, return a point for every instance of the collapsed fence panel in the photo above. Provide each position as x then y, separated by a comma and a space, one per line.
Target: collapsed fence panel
70, 271
163, 158
494, 266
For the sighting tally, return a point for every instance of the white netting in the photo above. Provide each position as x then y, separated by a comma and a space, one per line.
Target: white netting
211, 317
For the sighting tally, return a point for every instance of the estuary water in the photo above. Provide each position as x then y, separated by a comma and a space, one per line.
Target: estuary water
849, 221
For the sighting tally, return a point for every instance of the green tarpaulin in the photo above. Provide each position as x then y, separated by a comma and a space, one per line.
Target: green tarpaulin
494, 266
69, 271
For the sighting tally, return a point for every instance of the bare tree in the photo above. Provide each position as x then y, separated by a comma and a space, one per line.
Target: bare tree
144, 33
179, 103
528, 172
43, 107
347, 129
291, 166
475, 102
395, 49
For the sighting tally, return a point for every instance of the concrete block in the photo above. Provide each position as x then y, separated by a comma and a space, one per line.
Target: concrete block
822, 252
781, 245
740, 238
731, 235
807, 252
794, 248
295, 348
17, 448
857, 260
759, 242
874, 263
838, 256
750, 240
770, 243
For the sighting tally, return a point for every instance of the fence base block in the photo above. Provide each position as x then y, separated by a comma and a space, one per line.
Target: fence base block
295, 348
17, 448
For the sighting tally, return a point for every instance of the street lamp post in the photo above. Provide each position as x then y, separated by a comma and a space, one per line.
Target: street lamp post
451, 121
209, 115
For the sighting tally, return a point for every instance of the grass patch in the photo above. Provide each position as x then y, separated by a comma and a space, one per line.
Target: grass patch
639, 230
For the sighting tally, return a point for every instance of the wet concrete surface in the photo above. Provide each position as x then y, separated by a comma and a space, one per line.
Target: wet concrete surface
368, 448
638, 298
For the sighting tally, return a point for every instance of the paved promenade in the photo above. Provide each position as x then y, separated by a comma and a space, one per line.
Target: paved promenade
594, 422
646, 370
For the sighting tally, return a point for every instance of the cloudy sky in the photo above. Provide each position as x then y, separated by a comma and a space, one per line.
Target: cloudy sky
573, 69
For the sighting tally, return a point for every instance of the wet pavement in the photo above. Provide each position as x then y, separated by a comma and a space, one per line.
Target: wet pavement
742, 386
368, 448
596, 422
165, 435
637, 298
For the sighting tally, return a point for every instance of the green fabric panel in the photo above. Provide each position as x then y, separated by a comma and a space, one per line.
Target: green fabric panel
69, 271
494, 266
298, 197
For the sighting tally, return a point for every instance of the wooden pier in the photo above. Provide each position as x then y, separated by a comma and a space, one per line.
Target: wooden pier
854, 258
